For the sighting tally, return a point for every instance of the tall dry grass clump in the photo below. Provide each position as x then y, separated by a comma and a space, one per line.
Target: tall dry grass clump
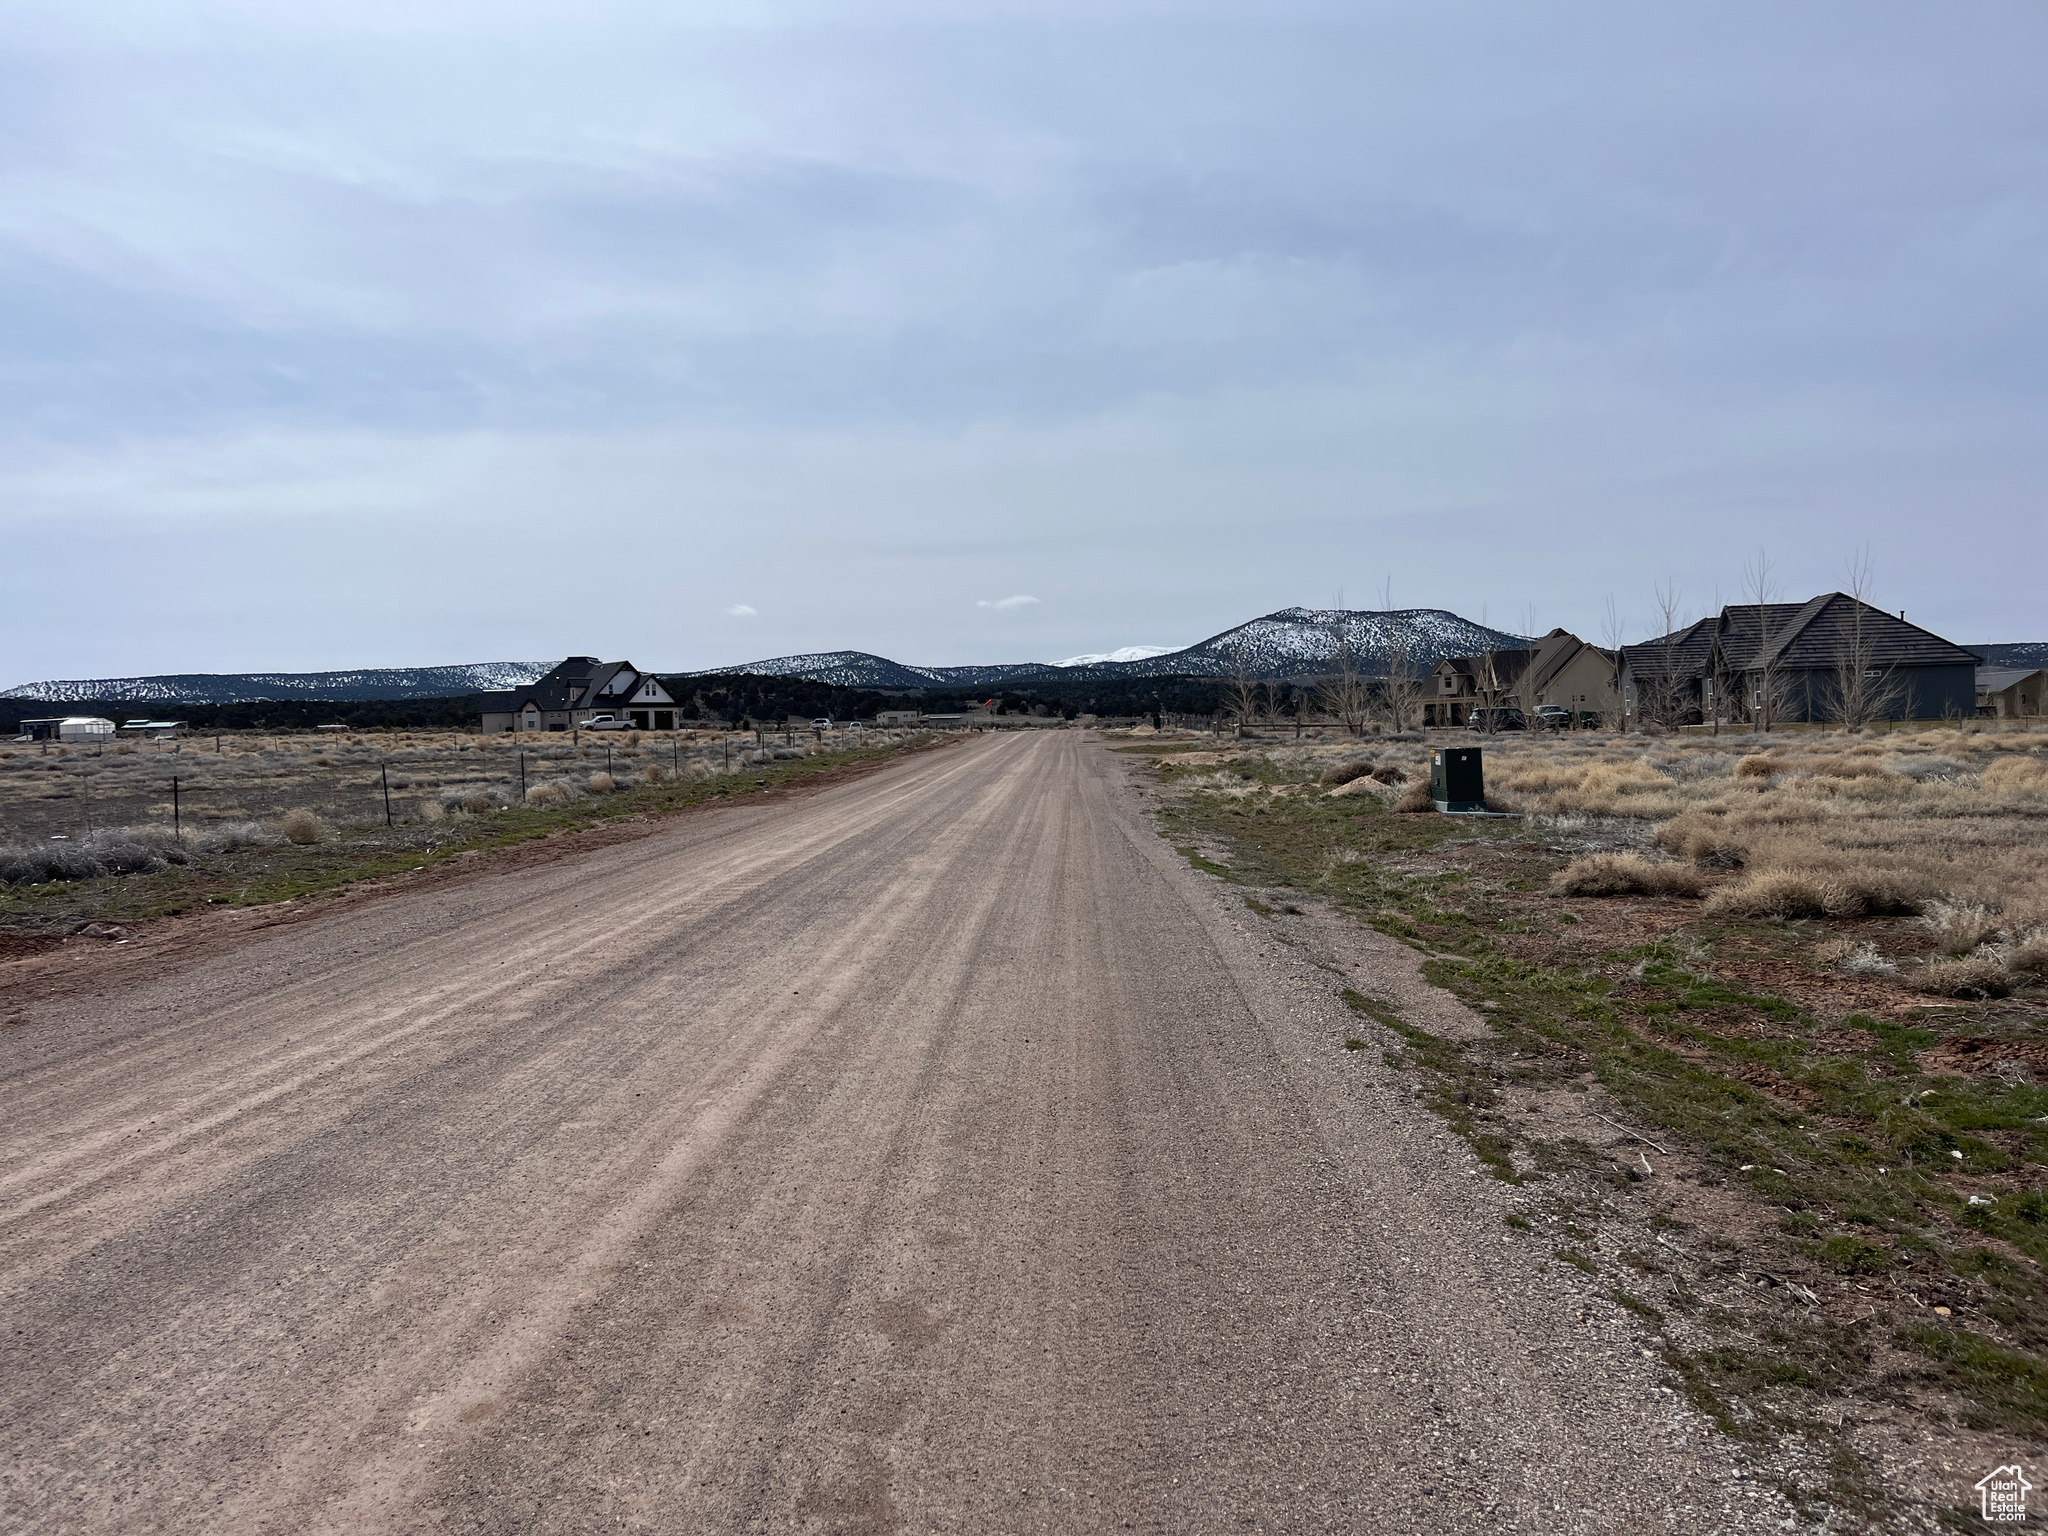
549, 792
653, 773
1625, 874
302, 827
602, 783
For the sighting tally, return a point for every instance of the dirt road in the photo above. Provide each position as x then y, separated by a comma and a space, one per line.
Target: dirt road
937, 1153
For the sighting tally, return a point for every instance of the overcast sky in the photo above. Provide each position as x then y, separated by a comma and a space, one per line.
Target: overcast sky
335, 336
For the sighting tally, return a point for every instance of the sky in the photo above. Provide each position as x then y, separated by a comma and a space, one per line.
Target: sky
381, 333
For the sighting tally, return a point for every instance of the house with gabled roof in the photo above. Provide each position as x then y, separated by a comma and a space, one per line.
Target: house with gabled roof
1566, 672
1837, 658
2011, 692
1831, 658
1458, 684
578, 691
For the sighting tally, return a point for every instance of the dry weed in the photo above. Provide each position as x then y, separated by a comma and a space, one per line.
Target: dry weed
301, 826
602, 783
1978, 975
1625, 874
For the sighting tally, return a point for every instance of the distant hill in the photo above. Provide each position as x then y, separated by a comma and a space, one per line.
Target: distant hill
263, 687
2013, 653
1292, 642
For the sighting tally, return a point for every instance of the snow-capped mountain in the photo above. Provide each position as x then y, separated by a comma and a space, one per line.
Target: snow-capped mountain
2013, 653
254, 687
1292, 642
1127, 653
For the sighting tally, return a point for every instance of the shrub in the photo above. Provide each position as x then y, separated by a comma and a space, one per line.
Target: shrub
229, 836
2016, 774
1416, 799
1344, 773
302, 827
1978, 975
1624, 874
550, 792
1960, 927
602, 783
2029, 954
1757, 765
1857, 957
1813, 893
1702, 838
653, 773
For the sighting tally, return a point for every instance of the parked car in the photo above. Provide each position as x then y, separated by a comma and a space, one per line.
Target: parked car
1553, 717
824, 723
607, 723
1499, 719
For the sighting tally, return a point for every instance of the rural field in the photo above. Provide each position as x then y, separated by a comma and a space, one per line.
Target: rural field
1766, 1048
1046, 1132
90, 833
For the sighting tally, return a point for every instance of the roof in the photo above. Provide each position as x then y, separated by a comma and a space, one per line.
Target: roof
1998, 679
1824, 629
1554, 652
579, 682
1684, 652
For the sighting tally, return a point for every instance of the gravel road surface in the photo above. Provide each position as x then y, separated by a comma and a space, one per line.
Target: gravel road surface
938, 1152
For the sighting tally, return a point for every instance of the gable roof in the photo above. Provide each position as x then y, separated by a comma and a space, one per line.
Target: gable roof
1682, 653
1998, 679
1554, 652
579, 682
1824, 629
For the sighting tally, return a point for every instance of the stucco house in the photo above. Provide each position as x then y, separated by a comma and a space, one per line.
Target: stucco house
2011, 692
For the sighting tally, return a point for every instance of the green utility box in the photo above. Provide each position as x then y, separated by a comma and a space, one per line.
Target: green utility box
1457, 782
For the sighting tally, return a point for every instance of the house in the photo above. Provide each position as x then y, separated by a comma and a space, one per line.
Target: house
1457, 684
1668, 680
2010, 692
1565, 671
888, 718
580, 688
1831, 658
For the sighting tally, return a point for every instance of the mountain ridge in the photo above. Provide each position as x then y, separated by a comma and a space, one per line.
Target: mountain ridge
349, 685
1287, 642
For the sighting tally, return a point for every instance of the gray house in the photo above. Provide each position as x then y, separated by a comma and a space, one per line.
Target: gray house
576, 692
1832, 658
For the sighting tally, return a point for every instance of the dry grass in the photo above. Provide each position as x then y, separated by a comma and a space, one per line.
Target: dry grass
602, 783
550, 792
301, 826
1948, 823
67, 792
1625, 874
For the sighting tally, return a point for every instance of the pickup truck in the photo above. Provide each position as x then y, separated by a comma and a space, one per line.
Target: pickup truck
606, 723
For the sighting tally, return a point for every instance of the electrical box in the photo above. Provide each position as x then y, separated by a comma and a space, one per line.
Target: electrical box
1457, 781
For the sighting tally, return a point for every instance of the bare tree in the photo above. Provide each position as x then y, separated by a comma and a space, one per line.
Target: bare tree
1401, 691
1862, 690
1762, 680
1661, 696
1241, 691
1345, 692
1612, 633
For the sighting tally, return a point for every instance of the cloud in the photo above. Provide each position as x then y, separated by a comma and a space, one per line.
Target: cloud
742, 611
1009, 604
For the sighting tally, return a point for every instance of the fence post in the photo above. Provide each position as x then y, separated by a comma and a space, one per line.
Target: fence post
177, 822
384, 773
522, 778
